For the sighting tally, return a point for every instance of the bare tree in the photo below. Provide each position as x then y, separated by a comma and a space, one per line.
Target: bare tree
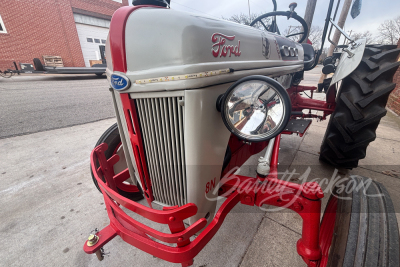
292, 30
315, 35
246, 19
363, 35
389, 31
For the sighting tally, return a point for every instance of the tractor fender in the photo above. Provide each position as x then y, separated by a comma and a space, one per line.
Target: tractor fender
348, 64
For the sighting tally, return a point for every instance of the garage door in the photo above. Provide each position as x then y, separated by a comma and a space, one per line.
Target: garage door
93, 40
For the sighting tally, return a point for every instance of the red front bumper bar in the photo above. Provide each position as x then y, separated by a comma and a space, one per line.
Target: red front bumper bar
303, 199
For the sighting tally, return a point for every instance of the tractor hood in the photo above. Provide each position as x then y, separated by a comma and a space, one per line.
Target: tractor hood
167, 49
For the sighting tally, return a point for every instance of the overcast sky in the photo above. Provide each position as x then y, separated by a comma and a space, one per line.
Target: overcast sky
373, 12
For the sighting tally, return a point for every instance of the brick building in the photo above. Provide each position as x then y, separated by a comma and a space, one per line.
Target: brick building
394, 98
75, 30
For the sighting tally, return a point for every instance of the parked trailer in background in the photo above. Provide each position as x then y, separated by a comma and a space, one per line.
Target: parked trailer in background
38, 68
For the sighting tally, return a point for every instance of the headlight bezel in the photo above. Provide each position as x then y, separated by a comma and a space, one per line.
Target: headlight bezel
281, 92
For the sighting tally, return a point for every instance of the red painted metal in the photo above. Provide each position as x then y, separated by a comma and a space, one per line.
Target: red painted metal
118, 54
135, 137
288, 195
241, 151
303, 199
105, 236
219, 48
299, 103
137, 234
327, 229
181, 236
307, 205
331, 94
121, 177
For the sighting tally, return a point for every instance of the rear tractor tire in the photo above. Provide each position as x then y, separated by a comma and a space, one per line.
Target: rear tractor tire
360, 106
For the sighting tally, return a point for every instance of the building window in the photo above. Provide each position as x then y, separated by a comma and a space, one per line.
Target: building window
97, 41
103, 41
89, 40
2, 27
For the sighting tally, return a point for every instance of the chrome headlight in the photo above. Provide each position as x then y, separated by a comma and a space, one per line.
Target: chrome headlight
255, 108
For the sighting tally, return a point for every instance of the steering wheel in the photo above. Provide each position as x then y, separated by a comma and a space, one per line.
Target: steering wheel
273, 27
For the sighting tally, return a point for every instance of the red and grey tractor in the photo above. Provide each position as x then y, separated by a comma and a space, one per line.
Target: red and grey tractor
196, 96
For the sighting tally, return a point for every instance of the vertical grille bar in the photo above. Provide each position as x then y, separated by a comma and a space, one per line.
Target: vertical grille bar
162, 125
178, 177
167, 117
181, 141
149, 117
159, 133
173, 149
145, 133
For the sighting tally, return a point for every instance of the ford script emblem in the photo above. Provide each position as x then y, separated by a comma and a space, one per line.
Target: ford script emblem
119, 82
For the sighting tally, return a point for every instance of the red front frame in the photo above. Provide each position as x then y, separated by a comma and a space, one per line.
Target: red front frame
303, 199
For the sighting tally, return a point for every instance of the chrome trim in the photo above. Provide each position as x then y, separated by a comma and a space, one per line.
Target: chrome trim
161, 121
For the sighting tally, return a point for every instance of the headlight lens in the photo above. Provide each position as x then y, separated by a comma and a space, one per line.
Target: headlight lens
256, 108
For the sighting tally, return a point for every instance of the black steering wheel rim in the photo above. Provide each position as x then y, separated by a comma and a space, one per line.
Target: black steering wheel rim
288, 14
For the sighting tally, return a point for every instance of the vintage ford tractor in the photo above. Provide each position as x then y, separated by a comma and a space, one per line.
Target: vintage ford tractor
196, 96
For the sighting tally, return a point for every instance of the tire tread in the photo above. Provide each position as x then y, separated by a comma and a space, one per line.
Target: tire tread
360, 106
357, 115
366, 233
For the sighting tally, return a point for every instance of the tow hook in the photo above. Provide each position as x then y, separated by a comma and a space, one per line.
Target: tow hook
92, 240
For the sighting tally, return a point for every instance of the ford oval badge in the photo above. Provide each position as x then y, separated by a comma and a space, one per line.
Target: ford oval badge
119, 82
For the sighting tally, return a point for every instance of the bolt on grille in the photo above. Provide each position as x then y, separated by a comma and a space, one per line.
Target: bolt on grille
161, 122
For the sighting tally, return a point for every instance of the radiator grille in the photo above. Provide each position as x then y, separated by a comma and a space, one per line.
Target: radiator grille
161, 121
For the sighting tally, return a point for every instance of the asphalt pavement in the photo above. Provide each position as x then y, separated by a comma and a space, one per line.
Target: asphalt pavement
36, 103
